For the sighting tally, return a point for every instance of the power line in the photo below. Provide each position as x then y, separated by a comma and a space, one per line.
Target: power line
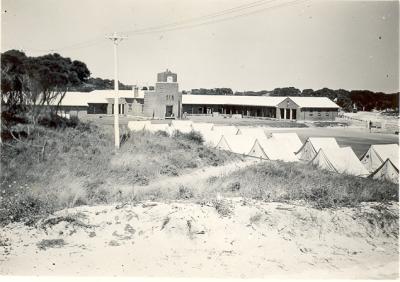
185, 24
212, 15
219, 20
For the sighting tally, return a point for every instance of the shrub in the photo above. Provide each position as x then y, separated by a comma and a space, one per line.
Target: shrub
193, 136
234, 186
50, 243
169, 169
184, 193
222, 207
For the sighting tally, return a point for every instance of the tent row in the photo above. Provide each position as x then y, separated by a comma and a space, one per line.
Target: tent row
183, 126
379, 162
245, 141
254, 142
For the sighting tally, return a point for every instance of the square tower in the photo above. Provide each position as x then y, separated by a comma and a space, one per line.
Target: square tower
166, 100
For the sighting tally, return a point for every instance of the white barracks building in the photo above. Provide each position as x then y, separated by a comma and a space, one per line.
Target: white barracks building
166, 101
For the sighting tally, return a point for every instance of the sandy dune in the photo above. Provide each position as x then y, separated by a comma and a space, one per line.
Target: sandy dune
181, 239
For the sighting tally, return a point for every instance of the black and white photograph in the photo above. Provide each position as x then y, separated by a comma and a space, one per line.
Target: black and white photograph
199, 139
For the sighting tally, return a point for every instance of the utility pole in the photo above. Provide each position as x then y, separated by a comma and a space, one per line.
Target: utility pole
115, 38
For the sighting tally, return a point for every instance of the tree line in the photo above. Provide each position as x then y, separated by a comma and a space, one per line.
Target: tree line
30, 83
96, 83
360, 99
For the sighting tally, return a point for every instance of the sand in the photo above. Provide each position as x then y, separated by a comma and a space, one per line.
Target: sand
186, 239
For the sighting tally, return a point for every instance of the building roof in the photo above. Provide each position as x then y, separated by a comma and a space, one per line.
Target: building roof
100, 96
266, 101
231, 100
314, 102
96, 96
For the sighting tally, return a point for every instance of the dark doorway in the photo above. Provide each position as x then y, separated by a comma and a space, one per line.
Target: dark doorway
287, 113
168, 111
121, 109
282, 113
294, 114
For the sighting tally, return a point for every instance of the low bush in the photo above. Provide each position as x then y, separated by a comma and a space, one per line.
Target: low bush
184, 193
222, 207
50, 243
55, 121
191, 136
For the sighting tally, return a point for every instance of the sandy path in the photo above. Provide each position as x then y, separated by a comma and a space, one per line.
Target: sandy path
181, 239
198, 175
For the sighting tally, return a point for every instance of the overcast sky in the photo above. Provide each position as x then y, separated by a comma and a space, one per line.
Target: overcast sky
305, 44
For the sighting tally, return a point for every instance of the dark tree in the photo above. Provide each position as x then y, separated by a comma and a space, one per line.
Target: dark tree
286, 91
307, 93
12, 72
32, 82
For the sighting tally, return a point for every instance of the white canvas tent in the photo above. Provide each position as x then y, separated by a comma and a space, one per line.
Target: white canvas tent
291, 140
226, 129
257, 132
257, 151
211, 138
201, 126
271, 149
223, 144
239, 144
387, 171
158, 127
340, 160
177, 123
378, 154
138, 125
312, 146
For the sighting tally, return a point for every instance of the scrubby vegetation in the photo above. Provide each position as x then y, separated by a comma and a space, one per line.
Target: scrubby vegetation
279, 181
68, 163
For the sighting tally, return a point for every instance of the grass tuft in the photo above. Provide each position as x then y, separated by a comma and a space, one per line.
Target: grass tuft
50, 243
